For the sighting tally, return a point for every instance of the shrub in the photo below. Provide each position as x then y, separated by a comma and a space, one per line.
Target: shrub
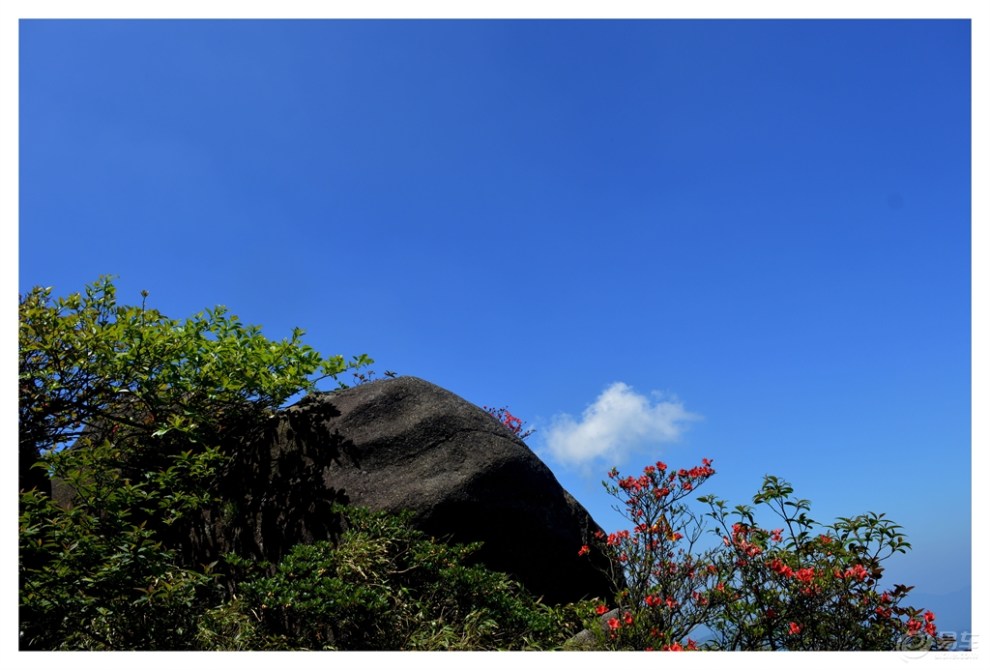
802, 586
384, 585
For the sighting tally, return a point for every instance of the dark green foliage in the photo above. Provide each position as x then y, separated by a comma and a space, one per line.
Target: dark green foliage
96, 575
384, 585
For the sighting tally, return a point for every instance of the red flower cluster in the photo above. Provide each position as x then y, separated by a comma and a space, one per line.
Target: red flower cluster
915, 625
676, 646
781, 568
614, 624
655, 477
740, 535
615, 538
857, 572
513, 423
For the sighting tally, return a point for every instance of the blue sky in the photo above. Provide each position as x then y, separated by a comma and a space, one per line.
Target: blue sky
742, 240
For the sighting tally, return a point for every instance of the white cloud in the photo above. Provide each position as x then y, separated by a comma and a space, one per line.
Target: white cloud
620, 422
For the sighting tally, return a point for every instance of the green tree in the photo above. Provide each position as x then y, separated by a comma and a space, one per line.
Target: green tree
88, 364
134, 414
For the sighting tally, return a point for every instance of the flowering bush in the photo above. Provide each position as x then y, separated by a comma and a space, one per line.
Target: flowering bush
663, 585
801, 586
808, 586
513, 423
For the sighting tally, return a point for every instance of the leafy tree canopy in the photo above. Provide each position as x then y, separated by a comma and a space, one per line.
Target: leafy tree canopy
89, 364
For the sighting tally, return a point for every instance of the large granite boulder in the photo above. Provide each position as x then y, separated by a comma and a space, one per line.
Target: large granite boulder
407, 444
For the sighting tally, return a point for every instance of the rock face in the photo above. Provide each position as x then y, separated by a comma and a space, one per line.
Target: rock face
407, 444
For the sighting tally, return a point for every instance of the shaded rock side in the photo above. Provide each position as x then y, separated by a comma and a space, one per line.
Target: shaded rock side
408, 444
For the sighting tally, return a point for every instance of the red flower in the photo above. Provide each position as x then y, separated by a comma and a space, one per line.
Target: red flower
780, 567
777, 534
613, 624
584, 550
628, 484
858, 572
929, 616
794, 629
601, 609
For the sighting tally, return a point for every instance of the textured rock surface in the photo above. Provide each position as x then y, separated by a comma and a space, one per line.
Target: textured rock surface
408, 444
